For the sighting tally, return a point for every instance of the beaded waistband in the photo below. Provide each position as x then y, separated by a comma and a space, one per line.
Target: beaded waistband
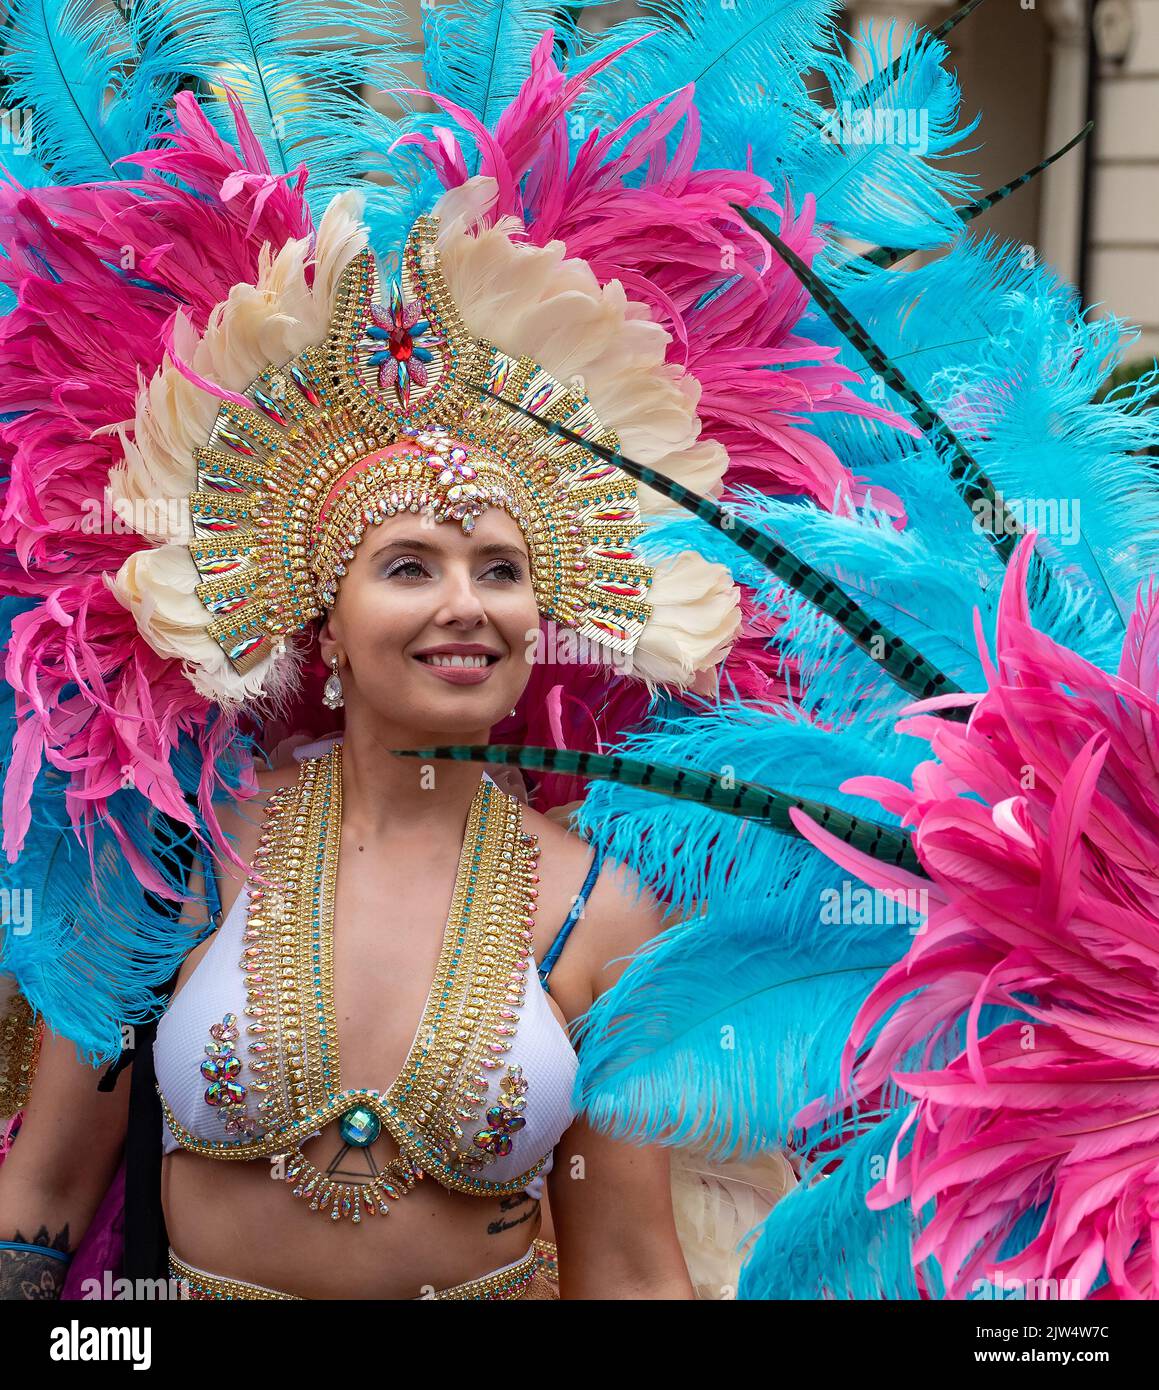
204, 1285
511, 1282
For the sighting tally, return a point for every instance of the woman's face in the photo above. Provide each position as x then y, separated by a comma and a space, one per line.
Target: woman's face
433, 626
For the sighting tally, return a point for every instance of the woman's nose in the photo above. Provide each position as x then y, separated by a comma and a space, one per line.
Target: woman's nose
461, 600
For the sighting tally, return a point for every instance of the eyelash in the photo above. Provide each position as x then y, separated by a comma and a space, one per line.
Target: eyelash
407, 561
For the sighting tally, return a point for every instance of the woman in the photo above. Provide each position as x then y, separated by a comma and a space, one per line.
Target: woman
425, 595
367, 1025
137, 679
413, 594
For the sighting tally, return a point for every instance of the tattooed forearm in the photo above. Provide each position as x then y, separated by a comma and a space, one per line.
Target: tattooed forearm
508, 1204
33, 1274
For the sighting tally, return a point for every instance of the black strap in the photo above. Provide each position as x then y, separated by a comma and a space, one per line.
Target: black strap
146, 1239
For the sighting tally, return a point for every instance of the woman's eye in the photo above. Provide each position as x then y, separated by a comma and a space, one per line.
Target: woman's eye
505, 570
409, 569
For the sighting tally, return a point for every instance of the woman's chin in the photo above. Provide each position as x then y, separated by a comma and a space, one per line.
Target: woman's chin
456, 712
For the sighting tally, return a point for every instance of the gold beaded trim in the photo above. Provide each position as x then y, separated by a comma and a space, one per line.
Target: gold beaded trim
270, 562
432, 479
202, 1285
468, 1021
507, 1284
20, 1035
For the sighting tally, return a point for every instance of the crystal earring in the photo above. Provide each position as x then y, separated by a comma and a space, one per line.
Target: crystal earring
332, 690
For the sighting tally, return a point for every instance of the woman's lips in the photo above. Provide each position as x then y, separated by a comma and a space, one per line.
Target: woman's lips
465, 674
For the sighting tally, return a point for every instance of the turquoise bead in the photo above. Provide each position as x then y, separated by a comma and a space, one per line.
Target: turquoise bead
359, 1127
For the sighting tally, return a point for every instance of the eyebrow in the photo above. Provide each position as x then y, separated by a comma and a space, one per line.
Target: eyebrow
414, 543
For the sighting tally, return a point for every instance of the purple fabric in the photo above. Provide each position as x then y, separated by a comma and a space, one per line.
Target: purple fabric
104, 1244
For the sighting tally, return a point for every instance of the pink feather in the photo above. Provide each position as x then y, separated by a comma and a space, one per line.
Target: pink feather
73, 349
1045, 896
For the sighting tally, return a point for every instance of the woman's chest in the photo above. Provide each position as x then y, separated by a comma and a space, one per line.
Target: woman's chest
364, 1024
392, 912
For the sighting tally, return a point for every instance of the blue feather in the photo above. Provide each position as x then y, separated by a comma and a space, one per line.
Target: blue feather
298, 80
1000, 348
725, 1026
889, 185
477, 53
87, 945
822, 1241
745, 54
719, 855
62, 60
924, 582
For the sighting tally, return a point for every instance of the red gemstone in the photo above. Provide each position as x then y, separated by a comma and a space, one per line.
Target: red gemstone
401, 344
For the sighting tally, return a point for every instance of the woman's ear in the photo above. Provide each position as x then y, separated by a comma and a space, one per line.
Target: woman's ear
328, 641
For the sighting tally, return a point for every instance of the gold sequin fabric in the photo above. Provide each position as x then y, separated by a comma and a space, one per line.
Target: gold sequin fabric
20, 1035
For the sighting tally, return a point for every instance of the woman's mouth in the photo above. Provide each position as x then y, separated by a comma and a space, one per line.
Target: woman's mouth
459, 668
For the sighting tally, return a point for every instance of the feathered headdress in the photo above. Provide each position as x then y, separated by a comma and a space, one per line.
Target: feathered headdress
861, 446
145, 308
350, 402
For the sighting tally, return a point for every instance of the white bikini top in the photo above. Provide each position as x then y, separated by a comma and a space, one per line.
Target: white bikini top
212, 1031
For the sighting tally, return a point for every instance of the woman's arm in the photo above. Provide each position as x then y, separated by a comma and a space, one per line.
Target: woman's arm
67, 1150
611, 1203
611, 1200
58, 1169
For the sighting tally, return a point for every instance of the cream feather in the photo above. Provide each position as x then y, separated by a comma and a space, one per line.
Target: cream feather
269, 322
695, 617
534, 301
717, 1208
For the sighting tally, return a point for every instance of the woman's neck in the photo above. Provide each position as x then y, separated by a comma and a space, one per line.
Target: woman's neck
382, 791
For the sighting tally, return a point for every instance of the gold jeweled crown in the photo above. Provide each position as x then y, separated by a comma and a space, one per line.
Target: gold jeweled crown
387, 415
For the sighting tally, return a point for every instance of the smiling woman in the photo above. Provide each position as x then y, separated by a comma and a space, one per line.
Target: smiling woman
370, 1024
419, 612
305, 469
428, 639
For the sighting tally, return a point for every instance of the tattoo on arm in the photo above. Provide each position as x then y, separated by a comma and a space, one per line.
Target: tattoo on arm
31, 1274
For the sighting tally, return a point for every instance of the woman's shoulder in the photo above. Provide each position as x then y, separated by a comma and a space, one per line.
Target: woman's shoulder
621, 913
241, 820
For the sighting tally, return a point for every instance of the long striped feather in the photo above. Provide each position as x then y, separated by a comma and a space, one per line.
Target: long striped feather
973, 484
899, 659
747, 799
887, 256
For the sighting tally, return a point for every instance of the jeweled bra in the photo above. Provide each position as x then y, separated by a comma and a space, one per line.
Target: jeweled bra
434, 1110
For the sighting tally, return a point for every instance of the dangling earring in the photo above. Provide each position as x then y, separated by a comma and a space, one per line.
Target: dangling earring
332, 690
